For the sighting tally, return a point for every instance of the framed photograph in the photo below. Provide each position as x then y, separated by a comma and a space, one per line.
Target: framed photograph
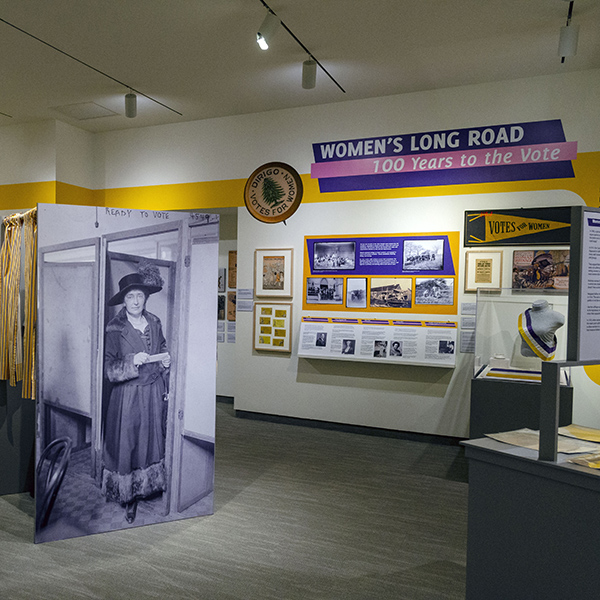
356, 292
221, 288
324, 290
273, 326
483, 269
434, 290
423, 255
391, 292
273, 272
232, 281
334, 256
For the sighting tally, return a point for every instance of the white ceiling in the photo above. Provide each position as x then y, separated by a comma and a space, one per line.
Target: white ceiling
200, 57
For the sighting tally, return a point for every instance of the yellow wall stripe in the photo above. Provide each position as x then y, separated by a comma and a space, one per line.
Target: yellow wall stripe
26, 195
230, 192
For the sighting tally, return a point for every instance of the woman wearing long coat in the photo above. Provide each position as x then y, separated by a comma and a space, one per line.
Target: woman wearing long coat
136, 361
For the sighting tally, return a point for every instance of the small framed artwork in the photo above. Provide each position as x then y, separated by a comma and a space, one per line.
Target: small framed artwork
483, 269
541, 269
273, 272
231, 304
273, 326
221, 307
221, 288
232, 280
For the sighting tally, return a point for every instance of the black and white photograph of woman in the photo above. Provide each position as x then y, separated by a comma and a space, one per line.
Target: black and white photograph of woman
126, 429
136, 362
396, 348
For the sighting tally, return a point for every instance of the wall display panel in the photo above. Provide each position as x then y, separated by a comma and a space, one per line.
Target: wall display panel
584, 293
425, 343
273, 326
116, 331
410, 273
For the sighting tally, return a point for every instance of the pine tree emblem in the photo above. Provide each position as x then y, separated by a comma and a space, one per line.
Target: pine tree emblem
272, 192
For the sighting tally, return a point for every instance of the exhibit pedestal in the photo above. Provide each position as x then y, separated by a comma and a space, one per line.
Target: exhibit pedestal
533, 526
508, 405
17, 440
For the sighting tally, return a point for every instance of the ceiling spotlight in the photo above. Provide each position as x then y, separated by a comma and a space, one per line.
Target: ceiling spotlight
267, 30
569, 36
309, 74
130, 105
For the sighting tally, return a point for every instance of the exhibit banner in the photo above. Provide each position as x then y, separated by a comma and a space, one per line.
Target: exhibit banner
509, 152
126, 431
426, 343
410, 273
519, 226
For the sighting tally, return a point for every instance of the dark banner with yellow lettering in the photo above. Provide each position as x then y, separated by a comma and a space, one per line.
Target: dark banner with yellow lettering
518, 227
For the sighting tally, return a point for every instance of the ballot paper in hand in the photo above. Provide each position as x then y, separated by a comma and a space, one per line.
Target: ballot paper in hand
157, 357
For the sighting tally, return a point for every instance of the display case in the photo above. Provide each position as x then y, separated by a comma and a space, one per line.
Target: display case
504, 333
515, 331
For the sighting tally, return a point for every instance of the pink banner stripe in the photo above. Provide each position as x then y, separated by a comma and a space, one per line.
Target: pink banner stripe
440, 161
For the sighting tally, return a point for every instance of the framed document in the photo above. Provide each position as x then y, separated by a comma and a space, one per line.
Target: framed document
483, 269
232, 280
273, 326
273, 272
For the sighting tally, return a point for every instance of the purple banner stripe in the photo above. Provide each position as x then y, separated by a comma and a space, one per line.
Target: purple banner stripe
524, 172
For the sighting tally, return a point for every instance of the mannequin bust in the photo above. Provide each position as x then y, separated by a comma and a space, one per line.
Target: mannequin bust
537, 327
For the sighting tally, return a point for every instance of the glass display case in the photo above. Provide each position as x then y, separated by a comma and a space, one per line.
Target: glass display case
515, 331
518, 328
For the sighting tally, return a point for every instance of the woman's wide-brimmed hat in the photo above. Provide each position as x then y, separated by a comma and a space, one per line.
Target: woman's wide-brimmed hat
133, 281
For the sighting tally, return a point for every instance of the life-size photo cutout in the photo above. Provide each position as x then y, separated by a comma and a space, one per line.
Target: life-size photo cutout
125, 430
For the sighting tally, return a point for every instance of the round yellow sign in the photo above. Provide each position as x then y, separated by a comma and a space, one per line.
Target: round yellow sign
273, 192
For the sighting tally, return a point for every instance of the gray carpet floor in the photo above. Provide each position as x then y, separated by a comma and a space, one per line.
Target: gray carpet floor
300, 513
